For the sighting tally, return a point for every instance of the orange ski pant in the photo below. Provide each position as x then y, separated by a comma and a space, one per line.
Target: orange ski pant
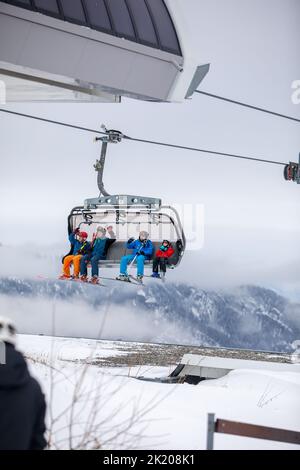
76, 263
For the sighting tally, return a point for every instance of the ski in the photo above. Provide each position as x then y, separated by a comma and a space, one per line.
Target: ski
99, 284
136, 280
133, 282
162, 278
82, 282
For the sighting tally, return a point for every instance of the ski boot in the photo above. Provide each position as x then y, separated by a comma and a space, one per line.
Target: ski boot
123, 277
83, 278
140, 278
95, 280
63, 277
74, 278
155, 275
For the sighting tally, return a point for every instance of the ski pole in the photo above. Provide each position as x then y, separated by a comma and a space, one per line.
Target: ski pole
132, 262
138, 253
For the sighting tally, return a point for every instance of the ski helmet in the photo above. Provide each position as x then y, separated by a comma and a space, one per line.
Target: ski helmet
7, 331
144, 235
101, 229
83, 235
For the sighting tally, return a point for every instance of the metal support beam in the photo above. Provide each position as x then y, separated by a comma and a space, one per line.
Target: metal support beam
210, 431
123, 200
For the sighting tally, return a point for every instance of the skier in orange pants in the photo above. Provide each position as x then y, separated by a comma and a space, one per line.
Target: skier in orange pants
75, 259
80, 247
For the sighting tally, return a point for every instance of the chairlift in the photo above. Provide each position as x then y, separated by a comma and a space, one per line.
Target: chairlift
292, 172
129, 215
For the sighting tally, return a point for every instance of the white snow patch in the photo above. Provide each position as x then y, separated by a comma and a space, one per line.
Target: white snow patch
175, 415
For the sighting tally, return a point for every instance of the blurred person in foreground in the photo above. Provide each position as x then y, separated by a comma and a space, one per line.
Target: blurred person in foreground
22, 403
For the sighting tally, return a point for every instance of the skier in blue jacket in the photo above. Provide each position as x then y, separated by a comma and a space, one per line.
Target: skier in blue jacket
142, 249
99, 248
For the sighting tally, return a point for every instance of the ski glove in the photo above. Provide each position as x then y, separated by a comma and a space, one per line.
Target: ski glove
130, 240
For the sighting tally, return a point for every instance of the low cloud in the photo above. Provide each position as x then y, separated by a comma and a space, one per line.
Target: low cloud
229, 258
80, 320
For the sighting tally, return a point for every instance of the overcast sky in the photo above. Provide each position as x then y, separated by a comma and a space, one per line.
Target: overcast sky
251, 214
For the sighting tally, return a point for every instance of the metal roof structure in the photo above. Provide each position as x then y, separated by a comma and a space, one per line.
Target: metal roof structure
96, 50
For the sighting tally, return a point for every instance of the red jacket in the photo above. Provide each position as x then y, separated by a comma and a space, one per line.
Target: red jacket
165, 254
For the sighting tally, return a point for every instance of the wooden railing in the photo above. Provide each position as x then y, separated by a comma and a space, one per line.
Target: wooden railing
234, 428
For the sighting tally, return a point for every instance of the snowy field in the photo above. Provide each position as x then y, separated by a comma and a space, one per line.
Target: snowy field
92, 403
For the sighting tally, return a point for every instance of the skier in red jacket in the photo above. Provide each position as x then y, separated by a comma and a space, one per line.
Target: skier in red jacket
161, 258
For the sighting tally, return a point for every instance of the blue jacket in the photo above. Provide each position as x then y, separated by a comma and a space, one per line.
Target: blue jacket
101, 246
137, 245
79, 247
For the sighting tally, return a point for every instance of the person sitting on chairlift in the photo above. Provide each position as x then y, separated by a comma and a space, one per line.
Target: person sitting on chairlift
161, 258
142, 251
79, 247
99, 248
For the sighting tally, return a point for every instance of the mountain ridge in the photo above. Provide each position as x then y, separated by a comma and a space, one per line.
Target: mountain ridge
248, 317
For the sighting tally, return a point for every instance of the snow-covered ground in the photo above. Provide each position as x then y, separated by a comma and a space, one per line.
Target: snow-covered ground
94, 404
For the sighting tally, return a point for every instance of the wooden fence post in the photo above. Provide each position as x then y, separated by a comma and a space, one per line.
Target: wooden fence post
210, 431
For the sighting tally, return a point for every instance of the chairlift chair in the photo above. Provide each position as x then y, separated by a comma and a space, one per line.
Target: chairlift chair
129, 215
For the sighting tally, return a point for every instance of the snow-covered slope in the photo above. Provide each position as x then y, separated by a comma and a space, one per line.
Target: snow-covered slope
108, 408
246, 317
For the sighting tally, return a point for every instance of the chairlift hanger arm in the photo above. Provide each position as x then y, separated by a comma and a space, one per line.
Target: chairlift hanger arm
111, 137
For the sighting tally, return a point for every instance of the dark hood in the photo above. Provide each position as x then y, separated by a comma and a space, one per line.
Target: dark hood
14, 373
